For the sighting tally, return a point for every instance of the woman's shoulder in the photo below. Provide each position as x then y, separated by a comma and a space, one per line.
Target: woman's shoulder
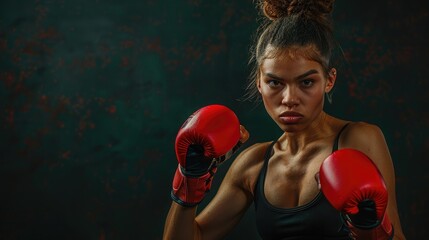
247, 165
361, 132
256, 149
362, 136
251, 155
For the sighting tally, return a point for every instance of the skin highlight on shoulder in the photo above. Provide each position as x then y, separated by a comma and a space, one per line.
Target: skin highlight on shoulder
247, 165
362, 136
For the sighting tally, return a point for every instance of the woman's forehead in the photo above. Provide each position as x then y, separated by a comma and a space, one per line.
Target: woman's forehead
309, 52
286, 67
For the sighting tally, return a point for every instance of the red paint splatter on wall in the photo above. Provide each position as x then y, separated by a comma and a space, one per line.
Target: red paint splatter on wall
127, 44
36, 48
111, 109
215, 49
125, 62
153, 44
43, 103
49, 33
66, 154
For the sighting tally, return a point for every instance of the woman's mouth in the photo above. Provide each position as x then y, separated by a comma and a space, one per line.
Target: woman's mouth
291, 117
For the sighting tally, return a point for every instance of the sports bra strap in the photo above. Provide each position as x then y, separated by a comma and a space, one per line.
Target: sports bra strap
335, 147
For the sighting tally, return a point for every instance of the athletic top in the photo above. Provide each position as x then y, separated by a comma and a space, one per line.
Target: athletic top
314, 220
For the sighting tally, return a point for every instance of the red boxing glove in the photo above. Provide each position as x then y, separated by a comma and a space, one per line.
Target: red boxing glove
353, 184
206, 139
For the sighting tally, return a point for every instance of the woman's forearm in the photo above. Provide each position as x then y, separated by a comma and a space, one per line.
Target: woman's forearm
180, 223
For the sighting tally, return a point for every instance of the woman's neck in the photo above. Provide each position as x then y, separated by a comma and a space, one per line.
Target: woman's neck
320, 128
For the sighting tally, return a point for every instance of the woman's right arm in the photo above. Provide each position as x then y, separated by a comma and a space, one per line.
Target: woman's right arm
180, 223
227, 207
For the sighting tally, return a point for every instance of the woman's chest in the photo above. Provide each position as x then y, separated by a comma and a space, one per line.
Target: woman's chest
291, 181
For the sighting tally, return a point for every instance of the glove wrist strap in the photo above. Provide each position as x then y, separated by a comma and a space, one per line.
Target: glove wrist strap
189, 191
382, 231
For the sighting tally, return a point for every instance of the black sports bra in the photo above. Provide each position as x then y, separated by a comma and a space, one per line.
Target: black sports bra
314, 220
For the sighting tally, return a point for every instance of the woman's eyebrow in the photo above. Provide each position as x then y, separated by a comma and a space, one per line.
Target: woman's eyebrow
309, 72
271, 75
312, 71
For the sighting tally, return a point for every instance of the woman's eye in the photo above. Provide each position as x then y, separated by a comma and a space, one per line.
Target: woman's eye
273, 83
307, 83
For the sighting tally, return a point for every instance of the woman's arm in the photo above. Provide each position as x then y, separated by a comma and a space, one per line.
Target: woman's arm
370, 140
180, 223
225, 210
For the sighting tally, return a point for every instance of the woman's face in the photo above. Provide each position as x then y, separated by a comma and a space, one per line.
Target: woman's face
292, 89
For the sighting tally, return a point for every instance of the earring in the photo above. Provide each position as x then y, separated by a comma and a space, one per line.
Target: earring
329, 97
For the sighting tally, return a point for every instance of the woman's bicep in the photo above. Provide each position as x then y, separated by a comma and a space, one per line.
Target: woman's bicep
233, 197
225, 210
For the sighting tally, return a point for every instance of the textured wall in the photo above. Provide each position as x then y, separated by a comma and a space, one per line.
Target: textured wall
92, 93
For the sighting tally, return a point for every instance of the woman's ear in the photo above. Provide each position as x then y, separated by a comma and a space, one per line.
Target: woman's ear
330, 81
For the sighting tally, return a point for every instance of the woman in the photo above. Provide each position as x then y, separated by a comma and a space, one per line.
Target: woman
292, 76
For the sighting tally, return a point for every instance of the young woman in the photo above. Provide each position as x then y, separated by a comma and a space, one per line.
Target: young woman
293, 75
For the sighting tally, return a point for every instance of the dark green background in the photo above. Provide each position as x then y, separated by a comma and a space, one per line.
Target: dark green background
93, 93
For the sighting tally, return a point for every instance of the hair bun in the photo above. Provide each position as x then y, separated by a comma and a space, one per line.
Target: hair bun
274, 9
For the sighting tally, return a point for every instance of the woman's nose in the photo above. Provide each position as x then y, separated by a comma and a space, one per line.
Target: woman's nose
290, 97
